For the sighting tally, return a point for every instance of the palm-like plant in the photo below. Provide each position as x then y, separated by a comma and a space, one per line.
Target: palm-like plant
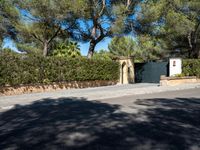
68, 49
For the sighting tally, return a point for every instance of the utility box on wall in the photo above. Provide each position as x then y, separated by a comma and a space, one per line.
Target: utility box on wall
175, 66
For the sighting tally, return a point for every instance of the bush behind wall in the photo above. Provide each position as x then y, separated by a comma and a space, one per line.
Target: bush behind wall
191, 67
21, 69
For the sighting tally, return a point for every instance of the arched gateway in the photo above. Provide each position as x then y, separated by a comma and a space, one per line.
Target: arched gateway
126, 70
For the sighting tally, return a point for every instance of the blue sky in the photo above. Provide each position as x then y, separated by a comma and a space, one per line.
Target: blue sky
83, 46
7, 43
102, 45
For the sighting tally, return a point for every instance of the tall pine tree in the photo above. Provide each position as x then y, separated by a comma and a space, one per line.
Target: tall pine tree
43, 21
103, 18
177, 22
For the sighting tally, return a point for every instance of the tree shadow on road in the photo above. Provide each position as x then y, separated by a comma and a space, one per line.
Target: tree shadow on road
78, 124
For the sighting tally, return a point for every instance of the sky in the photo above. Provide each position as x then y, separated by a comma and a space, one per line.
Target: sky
8, 43
102, 45
83, 46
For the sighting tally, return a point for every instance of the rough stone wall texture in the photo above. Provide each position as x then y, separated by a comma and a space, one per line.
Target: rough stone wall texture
25, 89
171, 81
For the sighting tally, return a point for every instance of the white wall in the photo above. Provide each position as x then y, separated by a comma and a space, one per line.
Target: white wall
175, 66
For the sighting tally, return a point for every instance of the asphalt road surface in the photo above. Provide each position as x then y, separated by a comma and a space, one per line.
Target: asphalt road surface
162, 121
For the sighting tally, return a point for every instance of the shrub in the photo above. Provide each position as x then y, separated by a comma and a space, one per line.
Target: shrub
21, 69
180, 75
191, 67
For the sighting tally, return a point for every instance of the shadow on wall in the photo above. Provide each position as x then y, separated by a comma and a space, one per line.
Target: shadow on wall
73, 124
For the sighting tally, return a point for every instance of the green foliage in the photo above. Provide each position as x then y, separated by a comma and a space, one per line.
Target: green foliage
176, 22
9, 16
180, 75
67, 49
8, 51
29, 48
102, 55
99, 19
122, 46
191, 67
144, 48
23, 69
42, 22
150, 48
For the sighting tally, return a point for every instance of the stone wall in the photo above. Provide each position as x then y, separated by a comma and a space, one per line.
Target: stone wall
170, 81
25, 89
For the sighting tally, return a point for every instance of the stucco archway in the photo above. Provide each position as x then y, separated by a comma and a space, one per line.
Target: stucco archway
126, 71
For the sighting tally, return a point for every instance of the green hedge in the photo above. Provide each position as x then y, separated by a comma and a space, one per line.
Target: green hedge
20, 69
191, 67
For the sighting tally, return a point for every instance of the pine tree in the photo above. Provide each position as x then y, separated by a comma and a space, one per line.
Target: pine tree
176, 22
9, 16
102, 18
42, 22
122, 46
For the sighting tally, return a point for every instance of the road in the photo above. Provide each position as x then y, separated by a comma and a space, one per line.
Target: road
159, 121
97, 93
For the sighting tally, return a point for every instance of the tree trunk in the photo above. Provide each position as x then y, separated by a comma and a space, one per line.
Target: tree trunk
196, 53
190, 50
45, 49
91, 49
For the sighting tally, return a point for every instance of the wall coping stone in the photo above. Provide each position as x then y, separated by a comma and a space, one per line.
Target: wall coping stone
171, 81
177, 78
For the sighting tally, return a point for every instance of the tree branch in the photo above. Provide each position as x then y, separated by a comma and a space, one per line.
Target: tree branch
196, 32
190, 40
128, 4
35, 36
101, 29
103, 7
56, 33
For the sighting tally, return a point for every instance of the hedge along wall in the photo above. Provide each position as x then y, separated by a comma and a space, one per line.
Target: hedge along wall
23, 70
191, 67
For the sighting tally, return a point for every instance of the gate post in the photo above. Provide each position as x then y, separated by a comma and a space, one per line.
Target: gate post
175, 66
127, 74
